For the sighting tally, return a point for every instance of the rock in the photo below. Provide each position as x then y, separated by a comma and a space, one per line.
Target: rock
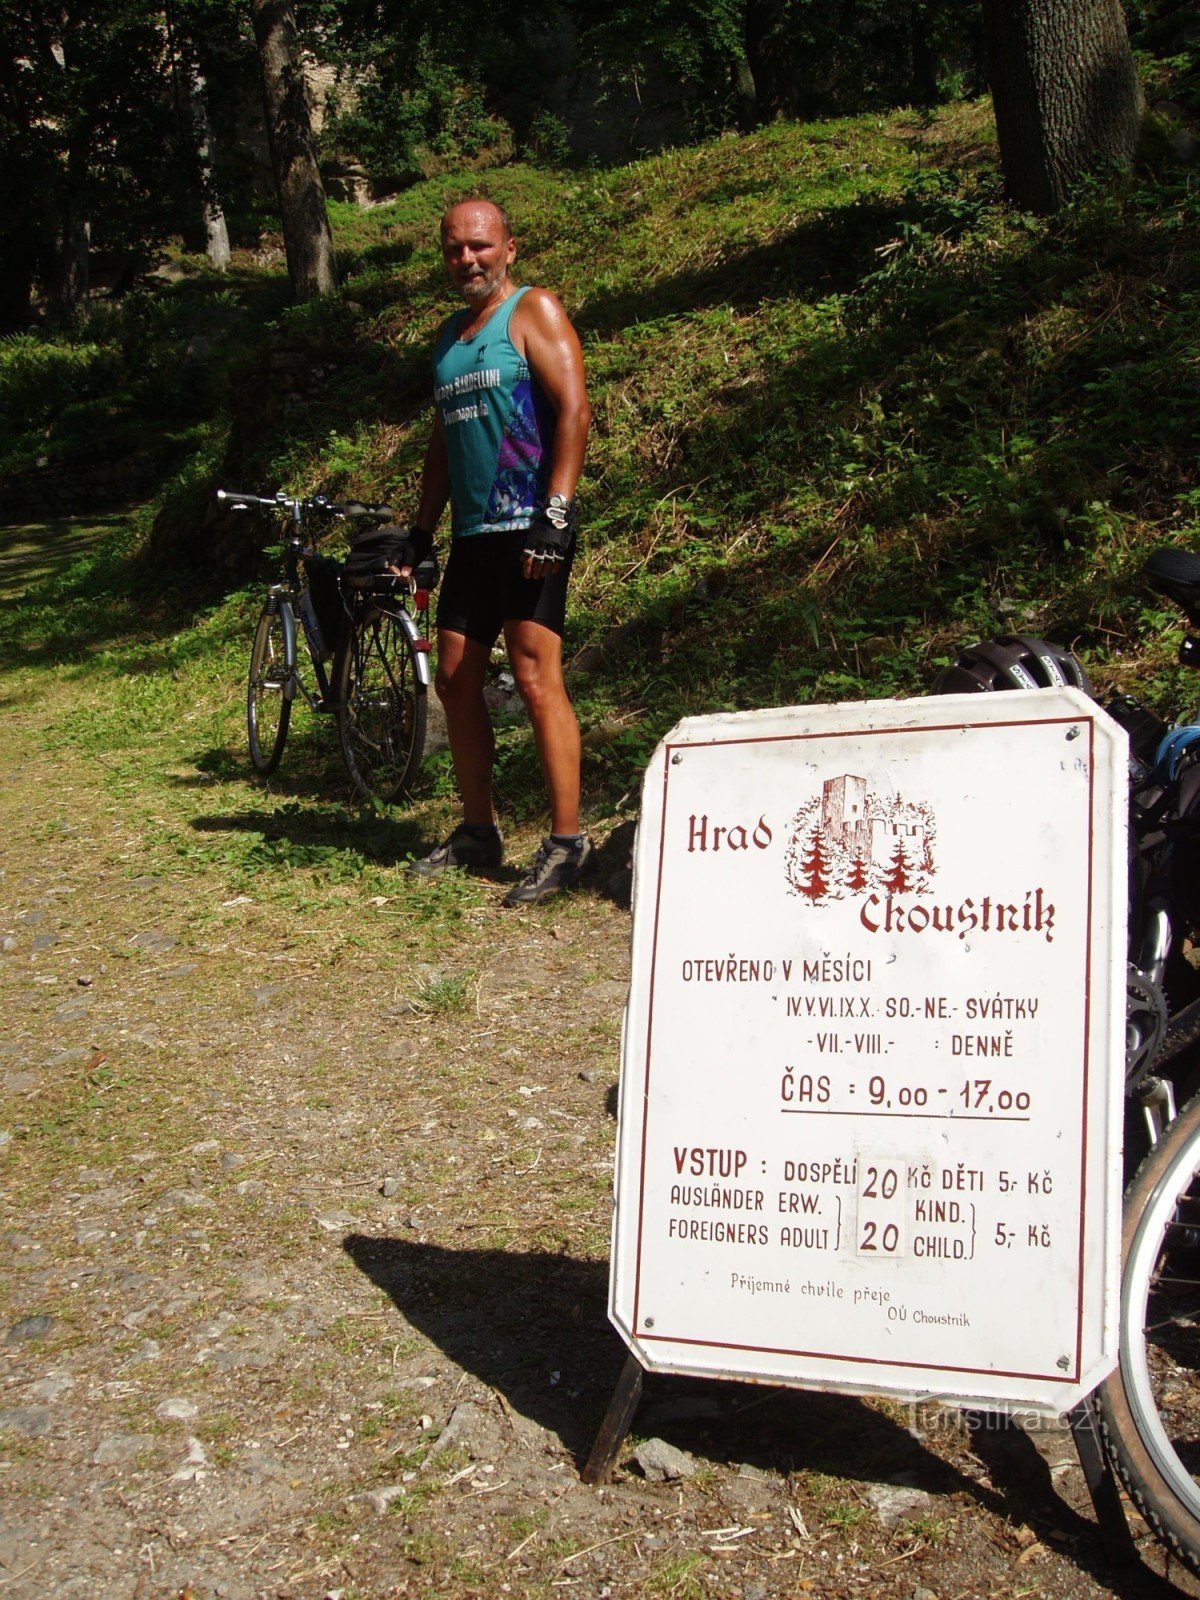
193, 1463
21, 1082
380, 1499
53, 1386
90, 1231
231, 1360
335, 1221
183, 1199
390, 1188
177, 1409
895, 1503
32, 1421
61, 1058
470, 1428
35, 1327
231, 1159
119, 1448
153, 942
662, 1462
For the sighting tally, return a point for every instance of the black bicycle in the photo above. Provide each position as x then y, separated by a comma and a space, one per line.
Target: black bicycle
1149, 1408
366, 643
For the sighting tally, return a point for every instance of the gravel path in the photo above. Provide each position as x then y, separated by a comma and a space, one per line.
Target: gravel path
303, 1242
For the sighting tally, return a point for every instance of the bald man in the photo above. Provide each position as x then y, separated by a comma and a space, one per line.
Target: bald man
506, 453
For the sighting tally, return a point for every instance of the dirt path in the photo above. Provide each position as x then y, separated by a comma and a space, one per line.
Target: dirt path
303, 1224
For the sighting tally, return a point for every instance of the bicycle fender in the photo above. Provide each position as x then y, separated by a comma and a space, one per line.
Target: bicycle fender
288, 617
420, 649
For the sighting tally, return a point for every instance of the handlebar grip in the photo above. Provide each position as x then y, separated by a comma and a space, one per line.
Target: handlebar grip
236, 499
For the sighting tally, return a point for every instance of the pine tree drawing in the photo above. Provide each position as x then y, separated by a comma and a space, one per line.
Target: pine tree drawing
897, 879
857, 878
814, 866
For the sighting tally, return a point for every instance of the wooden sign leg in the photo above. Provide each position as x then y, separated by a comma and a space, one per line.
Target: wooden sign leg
1102, 1485
617, 1421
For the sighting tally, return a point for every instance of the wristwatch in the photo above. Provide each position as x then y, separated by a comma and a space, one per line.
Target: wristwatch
558, 510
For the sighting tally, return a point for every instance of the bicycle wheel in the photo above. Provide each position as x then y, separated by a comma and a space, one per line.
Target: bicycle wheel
268, 696
382, 707
1150, 1406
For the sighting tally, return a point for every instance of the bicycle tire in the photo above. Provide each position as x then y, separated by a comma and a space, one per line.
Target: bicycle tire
1150, 1406
268, 701
382, 707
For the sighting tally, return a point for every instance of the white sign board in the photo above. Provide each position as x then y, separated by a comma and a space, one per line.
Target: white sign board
872, 1068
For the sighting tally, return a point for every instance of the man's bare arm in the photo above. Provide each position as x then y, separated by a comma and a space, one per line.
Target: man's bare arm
555, 357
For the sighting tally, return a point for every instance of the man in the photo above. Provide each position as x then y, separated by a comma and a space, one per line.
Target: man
506, 452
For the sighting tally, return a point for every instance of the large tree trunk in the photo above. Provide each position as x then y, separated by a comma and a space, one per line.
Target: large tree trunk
193, 91
306, 234
73, 279
924, 60
1066, 95
765, 26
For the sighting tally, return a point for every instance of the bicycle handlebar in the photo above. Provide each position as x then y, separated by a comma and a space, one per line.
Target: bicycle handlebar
351, 510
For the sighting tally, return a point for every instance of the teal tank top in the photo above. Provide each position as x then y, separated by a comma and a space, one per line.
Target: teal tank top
498, 425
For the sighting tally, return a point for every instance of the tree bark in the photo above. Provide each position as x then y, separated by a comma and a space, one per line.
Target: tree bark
306, 235
924, 61
1065, 92
73, 280
194, 93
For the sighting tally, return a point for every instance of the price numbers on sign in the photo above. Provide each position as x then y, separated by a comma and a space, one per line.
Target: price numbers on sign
882, 1207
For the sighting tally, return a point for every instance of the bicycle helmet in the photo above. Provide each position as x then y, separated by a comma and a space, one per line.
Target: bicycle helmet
1012, 661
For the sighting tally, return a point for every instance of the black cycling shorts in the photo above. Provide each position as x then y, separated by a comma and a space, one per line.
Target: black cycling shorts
484, 587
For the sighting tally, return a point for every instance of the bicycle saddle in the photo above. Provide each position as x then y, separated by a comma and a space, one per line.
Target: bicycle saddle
1176, 573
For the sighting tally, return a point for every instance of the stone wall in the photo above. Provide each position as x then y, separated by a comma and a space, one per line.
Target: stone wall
97, 479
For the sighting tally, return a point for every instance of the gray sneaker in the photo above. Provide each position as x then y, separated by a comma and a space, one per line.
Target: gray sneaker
461, 849
555, 867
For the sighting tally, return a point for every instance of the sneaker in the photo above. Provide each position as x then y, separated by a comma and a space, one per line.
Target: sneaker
555, 867
462, 849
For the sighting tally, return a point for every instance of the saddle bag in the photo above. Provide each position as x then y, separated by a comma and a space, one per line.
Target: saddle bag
371, 553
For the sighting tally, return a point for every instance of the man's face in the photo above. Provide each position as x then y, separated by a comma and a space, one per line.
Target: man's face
477, 250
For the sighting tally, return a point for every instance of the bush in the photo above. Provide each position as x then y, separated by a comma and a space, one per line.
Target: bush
40, 377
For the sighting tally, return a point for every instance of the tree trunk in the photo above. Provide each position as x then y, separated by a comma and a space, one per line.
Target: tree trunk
764, 31
1066, 95
75, 231
194, 93
924, 61
306, 234
747, 95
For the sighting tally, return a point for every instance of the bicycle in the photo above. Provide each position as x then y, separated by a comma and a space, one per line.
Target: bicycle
378, 679
1149, 1407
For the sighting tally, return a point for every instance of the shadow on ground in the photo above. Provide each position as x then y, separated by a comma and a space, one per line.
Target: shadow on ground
533, 1326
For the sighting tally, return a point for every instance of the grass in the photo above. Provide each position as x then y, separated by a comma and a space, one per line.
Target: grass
850, 411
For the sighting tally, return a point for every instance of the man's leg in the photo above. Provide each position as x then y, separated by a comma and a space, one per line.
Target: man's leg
461, 673
535, 656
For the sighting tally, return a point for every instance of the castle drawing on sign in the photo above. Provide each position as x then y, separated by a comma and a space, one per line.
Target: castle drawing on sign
847, 840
